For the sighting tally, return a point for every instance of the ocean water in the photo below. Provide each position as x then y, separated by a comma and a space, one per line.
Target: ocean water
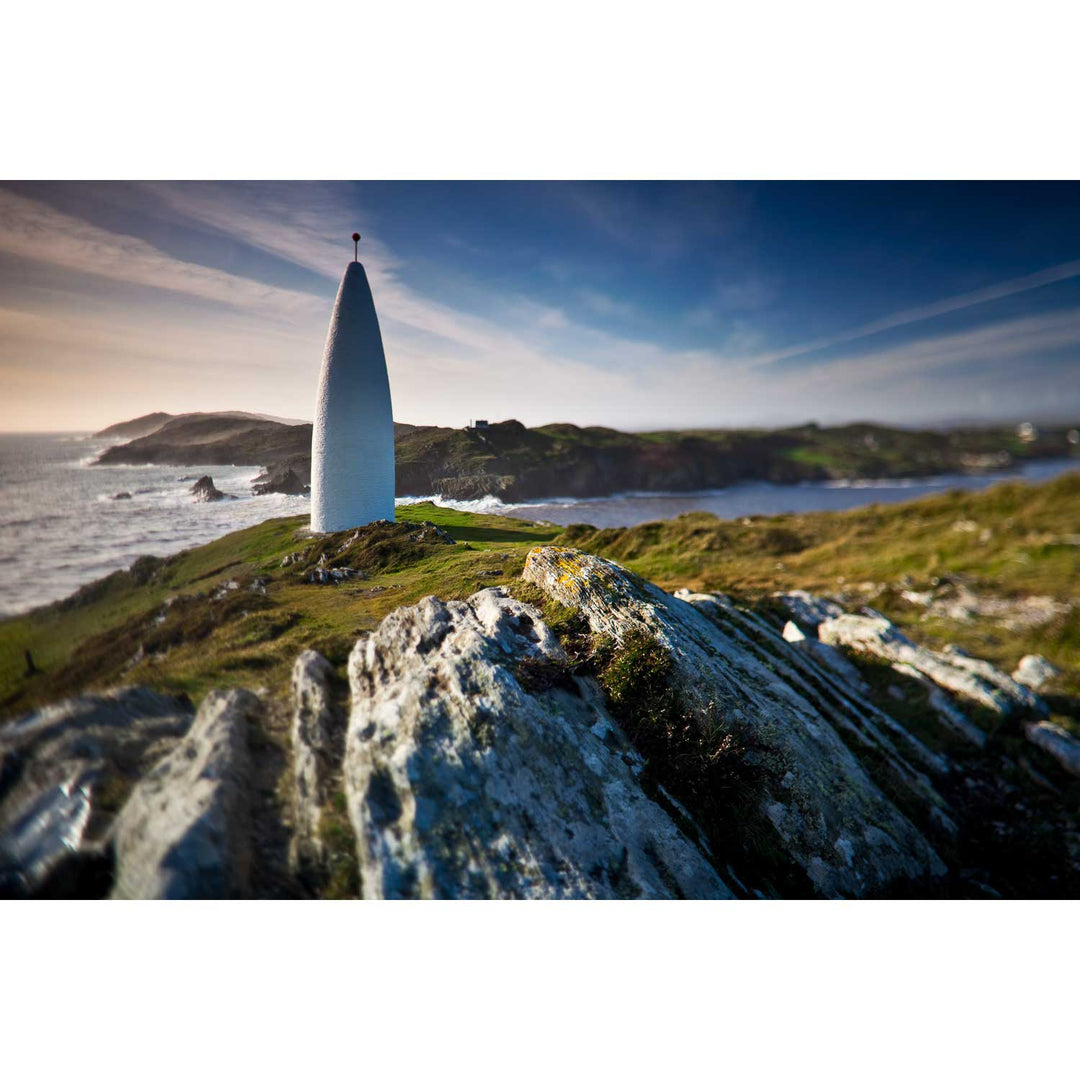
60, 528
744, 500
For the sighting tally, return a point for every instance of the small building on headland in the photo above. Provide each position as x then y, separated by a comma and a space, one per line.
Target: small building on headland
476, 425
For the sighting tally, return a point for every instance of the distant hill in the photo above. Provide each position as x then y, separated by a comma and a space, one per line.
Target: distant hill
135, 429
225, 438
515, 463
147, 425
518, 463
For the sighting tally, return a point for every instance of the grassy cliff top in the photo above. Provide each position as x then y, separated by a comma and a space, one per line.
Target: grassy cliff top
229, 613
206, 632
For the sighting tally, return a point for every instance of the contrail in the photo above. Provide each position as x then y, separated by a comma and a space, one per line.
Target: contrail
1050, 276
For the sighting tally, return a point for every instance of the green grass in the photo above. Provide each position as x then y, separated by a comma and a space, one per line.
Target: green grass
479, 530
245, 638
1011, 540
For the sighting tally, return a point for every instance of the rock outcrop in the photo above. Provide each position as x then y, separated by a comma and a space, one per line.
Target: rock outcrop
826, 813
280, 480
314, 732
1035, 672
824, 654
335, 575
203, 490
632, 744
946, 710
808, 611
1057, 742
476, 766
184, 833
62, 770
959, 603
965, 676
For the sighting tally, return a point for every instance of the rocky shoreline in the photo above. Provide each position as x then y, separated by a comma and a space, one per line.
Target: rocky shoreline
516, 463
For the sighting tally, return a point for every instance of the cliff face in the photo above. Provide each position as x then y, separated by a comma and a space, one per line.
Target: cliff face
580, 733
519, 463
514, 462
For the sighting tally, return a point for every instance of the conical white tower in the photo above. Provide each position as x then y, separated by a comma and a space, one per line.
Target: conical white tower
352, 444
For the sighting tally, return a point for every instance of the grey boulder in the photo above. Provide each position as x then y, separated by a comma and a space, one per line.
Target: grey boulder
184, 832
1034, 671
477, 767
952, 670
62, 769
314, 727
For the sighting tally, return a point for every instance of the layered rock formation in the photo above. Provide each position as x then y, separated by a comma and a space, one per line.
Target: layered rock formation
476, 767
825, 810
953, 670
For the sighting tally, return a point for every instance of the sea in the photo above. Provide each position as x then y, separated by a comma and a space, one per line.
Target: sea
61, 527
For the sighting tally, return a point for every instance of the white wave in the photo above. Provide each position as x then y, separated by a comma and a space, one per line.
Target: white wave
489, 504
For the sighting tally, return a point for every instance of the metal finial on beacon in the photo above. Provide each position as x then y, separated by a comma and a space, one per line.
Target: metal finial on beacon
356, 246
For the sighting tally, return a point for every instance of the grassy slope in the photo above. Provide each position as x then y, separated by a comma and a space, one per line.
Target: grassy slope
1011, 540
256, 638
1025, 540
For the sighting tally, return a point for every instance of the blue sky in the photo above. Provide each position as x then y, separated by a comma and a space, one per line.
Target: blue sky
632, 305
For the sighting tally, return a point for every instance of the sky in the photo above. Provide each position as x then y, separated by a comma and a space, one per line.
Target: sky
631, 305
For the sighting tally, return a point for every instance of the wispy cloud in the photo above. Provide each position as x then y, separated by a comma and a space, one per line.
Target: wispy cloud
666, 222
603, 304
1005, 342
309, 233
307, 226
1050, 276
33, 230
216, 339
750, 294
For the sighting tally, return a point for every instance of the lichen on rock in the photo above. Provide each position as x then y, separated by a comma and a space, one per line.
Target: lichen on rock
826, 814
461, 782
